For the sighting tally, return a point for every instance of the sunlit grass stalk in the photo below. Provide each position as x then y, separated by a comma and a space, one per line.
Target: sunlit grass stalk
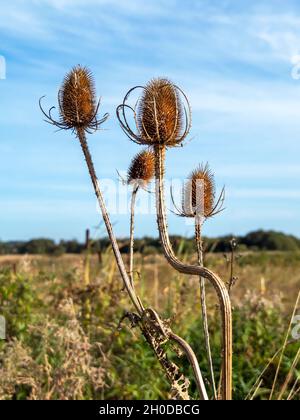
289, 376
284, 348
259, 381
293, 388
294, 392
87, 259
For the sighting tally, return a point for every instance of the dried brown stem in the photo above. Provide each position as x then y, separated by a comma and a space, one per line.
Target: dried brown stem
164, 334
224, 299
116, 250
199, 244
194, 363
131, 244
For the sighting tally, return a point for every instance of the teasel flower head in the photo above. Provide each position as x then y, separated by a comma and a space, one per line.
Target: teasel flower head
142, 168
199, 195
161, 114
78, 107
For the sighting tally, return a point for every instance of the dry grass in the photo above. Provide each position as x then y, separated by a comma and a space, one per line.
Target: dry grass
270, 274
59, 355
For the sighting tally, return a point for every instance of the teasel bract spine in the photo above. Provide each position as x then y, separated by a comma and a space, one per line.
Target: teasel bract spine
160, 141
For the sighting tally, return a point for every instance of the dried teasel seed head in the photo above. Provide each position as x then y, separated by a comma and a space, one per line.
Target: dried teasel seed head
77, 99
142, 168
160, 113
77, 103
199, 193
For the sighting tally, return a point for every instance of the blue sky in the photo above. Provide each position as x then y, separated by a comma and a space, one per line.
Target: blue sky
234, 59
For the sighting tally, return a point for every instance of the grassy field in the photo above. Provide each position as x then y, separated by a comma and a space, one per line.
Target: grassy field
65, 341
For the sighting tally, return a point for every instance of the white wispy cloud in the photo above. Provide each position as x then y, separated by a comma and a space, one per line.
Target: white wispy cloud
50, 18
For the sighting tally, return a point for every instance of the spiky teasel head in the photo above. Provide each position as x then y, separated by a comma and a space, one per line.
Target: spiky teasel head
142, 168
78, 106
77, 98
201, 190
162, 114
199, 195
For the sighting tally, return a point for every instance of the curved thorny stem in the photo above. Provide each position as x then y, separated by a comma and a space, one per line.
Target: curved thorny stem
199, 244
185, 347
224, 299
127, 280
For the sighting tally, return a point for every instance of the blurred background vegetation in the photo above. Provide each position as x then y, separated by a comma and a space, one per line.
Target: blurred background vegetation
255, 241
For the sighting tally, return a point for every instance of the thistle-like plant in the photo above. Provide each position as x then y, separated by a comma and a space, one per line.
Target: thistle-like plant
78, 113
162, 118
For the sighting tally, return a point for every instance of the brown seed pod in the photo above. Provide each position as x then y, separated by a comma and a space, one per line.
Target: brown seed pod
77, 102
142, 168
162, 114
200, 190
198, 195
77, 98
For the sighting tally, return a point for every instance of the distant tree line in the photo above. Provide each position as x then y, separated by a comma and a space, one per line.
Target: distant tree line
256, 241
